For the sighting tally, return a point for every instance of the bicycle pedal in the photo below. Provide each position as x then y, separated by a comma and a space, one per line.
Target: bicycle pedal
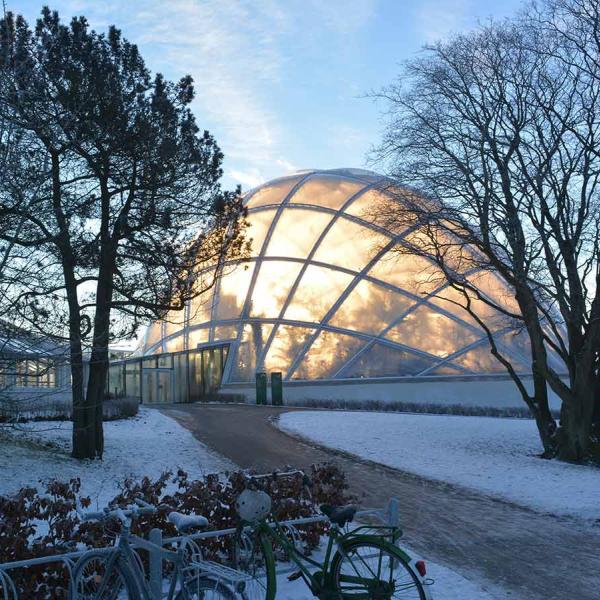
294, 576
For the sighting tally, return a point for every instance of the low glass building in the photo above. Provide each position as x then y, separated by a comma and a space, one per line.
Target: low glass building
327, 300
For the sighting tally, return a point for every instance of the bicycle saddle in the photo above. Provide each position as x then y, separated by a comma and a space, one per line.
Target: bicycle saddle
184, 523
340, 515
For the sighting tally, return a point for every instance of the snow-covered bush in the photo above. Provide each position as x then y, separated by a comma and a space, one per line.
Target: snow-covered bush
34, 524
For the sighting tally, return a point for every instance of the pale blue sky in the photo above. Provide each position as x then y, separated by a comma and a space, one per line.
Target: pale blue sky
281, 84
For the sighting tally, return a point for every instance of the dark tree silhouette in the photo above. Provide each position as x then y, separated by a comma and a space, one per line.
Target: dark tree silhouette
114, 189
498, 131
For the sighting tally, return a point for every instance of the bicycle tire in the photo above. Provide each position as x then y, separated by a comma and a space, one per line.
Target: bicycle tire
87, 585
254, 556
204, 588
354, 573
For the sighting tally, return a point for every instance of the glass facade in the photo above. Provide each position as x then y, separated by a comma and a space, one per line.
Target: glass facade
325, 294
28, 372
164, 378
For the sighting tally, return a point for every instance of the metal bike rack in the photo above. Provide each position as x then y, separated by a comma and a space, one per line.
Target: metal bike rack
8, 591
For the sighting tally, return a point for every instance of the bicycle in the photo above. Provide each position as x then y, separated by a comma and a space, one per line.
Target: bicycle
118, 573
366, 564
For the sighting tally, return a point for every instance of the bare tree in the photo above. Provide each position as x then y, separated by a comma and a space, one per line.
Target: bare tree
497, 133
113, 188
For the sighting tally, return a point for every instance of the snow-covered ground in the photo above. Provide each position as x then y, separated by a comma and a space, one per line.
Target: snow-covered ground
147, 444
491, 455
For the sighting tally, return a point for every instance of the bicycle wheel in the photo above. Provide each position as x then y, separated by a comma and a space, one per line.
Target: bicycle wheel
374, 568
94, 579
253, 555
202, 588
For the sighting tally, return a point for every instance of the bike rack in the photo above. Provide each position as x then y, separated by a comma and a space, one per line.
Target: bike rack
8, 591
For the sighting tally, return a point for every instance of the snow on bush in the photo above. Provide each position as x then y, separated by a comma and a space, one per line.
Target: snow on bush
35, 524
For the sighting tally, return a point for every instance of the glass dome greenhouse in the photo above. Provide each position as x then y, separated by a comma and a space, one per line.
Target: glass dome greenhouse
326, 296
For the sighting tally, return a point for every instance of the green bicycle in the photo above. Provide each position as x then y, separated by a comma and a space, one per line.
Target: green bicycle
360, 564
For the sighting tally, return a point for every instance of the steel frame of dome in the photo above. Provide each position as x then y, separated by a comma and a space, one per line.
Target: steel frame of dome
260, 259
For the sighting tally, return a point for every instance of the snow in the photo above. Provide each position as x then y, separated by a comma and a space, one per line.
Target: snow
490, 455
147, 444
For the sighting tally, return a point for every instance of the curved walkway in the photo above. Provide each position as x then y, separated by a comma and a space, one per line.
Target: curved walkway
514, 552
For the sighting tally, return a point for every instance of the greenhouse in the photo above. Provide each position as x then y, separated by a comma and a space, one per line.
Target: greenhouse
327, 300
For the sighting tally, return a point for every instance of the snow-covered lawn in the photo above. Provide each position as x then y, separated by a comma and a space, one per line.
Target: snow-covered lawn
491, 455
147, 444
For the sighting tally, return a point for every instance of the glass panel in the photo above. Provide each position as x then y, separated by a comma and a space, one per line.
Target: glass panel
180, 378
233, 291
196, 390
327, 355
286, 344
252, 344
296, 232
133, 379
480, 360
326, 190
174, 322
116, 381
165, 361
408, 272
258, 225
226, 332
21, 373
175, 344
499, 293
164, 392
149, 363
383, 361
149, 386
154, 334
7, 372
370, 308
349, 245
197, 336
211, 361
200, 308
272, 287
274, 193
515, 345
432, 332
445, 369
455, 254
319, 288
366, 206
454, 301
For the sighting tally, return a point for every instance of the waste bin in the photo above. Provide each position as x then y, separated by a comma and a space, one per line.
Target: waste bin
276, 389
261, 388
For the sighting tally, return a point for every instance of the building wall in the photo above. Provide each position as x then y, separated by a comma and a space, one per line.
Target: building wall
481, 391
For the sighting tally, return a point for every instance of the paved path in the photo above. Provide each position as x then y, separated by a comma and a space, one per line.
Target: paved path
516, 553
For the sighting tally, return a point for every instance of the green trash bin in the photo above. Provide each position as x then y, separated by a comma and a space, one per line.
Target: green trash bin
276, 389
261, 388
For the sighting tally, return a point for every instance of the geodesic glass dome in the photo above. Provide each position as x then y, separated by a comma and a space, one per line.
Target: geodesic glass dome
326, 295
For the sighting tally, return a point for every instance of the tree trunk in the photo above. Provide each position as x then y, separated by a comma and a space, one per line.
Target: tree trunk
83, 446
96, 389
543, 417
576, 421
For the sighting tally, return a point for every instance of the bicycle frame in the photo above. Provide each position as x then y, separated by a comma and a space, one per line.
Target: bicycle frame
125, 554
318, 579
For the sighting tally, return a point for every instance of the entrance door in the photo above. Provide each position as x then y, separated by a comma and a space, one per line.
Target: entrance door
157, 386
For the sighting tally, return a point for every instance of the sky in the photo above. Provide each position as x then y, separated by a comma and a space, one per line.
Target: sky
282, 84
